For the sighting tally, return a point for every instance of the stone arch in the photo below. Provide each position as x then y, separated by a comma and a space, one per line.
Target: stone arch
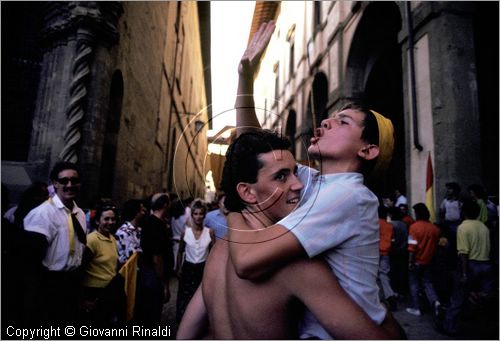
109, 147
374, 75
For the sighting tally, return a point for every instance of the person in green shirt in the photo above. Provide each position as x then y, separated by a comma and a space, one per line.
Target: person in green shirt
475, 270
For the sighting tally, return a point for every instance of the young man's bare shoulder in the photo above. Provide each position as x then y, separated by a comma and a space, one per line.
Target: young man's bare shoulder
219, 252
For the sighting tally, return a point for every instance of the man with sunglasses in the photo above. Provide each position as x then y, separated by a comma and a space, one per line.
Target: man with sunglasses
56, 237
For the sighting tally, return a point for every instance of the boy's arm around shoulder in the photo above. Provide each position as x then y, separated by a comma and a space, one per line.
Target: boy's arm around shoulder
331, 305
256, 253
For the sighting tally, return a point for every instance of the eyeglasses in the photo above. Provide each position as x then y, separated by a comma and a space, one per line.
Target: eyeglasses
65, 181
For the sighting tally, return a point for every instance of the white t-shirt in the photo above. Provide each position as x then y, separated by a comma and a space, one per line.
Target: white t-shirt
51, 220
451, 209
338, 218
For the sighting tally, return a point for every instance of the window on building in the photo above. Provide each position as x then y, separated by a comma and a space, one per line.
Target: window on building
290, 37
316, 16
109, 148
290, 128
178, 15
171, 159
276, 80
179, 57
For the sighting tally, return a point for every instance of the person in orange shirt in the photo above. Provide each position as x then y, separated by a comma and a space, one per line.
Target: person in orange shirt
384, 266
406, 218
422, 245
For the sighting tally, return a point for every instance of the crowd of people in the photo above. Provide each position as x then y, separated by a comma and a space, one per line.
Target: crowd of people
310, 254
62, 265
453, 260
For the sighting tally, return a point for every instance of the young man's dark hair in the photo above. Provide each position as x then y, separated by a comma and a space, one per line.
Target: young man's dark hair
470, 209
242, 162
131, 208
421, 211
60, 166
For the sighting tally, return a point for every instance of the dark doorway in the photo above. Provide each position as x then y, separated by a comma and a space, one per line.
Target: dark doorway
109, 148
21, 60
384, 94
486, 47
375, 71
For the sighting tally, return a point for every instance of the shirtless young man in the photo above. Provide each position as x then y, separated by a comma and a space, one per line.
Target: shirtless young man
260, 175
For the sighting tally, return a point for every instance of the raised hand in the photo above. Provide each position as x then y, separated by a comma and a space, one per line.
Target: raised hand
250, 60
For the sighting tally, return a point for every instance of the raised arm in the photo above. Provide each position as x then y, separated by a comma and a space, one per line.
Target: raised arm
247, 70
255, 253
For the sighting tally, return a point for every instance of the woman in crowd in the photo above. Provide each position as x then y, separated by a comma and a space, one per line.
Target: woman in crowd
129, 234
103, 292
195, 243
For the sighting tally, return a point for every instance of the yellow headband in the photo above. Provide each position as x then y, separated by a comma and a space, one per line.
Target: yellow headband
385, 143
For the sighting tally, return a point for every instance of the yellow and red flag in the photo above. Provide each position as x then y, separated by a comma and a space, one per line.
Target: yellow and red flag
429, 190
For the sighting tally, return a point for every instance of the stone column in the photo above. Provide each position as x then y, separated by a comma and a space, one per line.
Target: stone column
70, 33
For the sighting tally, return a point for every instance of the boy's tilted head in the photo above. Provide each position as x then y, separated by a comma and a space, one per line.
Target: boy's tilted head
356, 138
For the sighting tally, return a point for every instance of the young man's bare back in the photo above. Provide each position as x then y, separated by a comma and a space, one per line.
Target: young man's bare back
270, 308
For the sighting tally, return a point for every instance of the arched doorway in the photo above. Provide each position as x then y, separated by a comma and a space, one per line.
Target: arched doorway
374, 76
109, 147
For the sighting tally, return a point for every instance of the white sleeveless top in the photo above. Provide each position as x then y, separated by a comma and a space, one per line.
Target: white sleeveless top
197, 249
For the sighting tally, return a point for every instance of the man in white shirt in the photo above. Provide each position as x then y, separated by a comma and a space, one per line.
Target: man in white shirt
57, 237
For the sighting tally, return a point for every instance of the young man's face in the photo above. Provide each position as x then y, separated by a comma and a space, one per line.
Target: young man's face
67, 185
339, 137
277, 188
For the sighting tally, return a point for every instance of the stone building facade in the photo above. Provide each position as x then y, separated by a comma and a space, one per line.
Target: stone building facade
120, 88
431, 67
